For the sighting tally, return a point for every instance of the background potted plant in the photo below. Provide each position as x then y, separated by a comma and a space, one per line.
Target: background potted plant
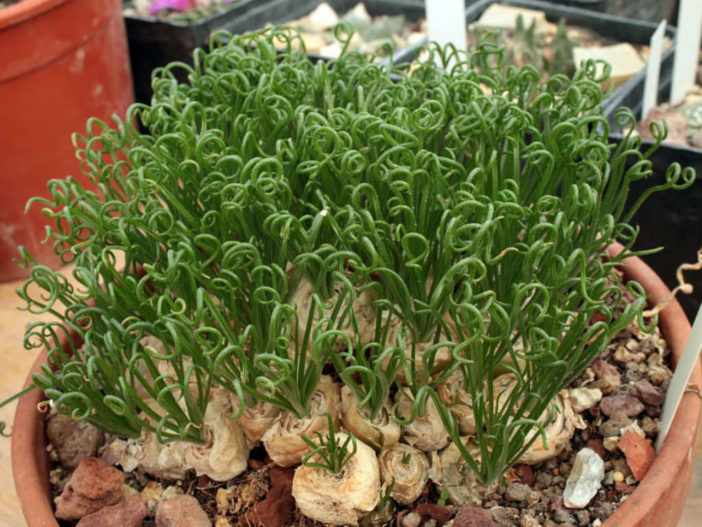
427, 252
75, 68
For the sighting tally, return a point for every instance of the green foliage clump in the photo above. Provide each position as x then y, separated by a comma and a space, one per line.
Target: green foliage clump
473, 202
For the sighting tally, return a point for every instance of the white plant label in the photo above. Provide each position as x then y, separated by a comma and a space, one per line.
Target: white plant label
446, 20
687, 46
653, 70
681, 378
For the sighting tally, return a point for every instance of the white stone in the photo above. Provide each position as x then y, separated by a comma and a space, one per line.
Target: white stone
322, 18
360, 12
584, 480
623, 58
634, 427
499, 16
584, 398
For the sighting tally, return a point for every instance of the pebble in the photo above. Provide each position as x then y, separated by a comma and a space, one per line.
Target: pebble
93, 485
517, 492
617, 477
612, 427
544, 479
597, 446
610, 443
469, 516
584, 398
128, 513
608, 376
648, 393
562, 516
583, 517
621, 403
505, 516
73, 440
411, 519
584, 480
181, 511
639, 453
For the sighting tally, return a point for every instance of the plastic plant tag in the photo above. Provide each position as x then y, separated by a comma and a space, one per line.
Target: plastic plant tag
447, 22
681, 377
686, 49
653, 70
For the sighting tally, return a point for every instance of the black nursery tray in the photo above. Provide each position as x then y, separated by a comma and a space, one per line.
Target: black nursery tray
672, 220
154, 42
623, 29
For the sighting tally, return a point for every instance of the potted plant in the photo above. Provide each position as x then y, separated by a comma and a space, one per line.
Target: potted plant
75, 68
383, 282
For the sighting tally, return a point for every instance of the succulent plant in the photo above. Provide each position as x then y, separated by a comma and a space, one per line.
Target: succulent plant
448, 225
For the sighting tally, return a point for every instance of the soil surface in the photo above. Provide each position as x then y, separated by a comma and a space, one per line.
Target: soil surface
632, 374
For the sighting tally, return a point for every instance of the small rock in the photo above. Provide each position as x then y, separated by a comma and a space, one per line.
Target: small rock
322, 18
432, 511
93, 485
648, 393
584, 480
583, 517
584, 398
544, 479
276, 509
612, 426
621, 403
527, 520
634, 427
597, 446
525, 474
181, 511
128, 513
623, 488
608, 376
469, 516
562, 516
504, 516
151, 495
650, 426
73, 440
610, 443
222, 522
639, 453
517, 492
411, 519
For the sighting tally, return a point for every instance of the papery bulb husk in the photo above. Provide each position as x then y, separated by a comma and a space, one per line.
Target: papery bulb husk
457, 478
223, 456
363, 309
283, 440
410, 477
559, 431
381, 432
426, 432
343, 498
452, 393
442, 358
256, 419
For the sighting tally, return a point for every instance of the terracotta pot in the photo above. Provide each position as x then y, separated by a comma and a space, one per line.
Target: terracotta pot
656, 502
61, 62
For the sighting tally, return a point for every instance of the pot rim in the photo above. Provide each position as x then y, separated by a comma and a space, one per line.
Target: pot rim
30, 470
26, 10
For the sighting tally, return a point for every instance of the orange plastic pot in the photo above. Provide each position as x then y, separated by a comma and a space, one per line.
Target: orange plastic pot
657, 501
61, 62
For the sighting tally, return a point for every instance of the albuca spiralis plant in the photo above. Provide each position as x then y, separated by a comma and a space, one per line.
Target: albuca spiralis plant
426, 242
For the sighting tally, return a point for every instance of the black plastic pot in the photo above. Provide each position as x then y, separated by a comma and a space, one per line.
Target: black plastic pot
154, 42
672, 220
623, 29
